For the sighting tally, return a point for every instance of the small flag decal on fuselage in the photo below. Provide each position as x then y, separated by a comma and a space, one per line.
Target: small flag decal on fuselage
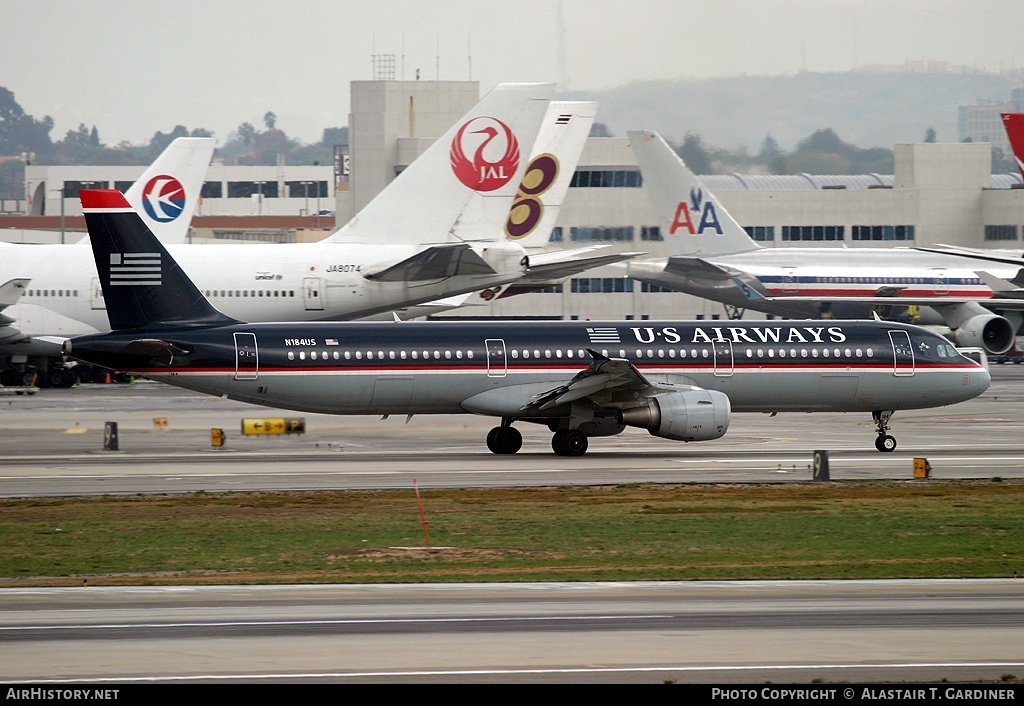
135, 268
603, 335
563, 119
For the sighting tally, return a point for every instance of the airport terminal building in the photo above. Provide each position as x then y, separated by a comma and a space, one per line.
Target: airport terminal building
940, 193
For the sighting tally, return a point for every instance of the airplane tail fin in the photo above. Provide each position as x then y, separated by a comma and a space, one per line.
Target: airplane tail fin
1014, 124
167, 194
693, 222
142, 284
461, 188
547, 177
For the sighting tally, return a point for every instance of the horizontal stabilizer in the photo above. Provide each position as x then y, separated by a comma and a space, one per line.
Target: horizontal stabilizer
433, 263
11, 291
559, 264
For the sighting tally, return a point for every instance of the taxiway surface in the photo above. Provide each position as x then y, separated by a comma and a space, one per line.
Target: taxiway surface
52, 444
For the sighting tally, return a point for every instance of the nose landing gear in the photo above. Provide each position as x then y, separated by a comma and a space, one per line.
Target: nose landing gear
885, 442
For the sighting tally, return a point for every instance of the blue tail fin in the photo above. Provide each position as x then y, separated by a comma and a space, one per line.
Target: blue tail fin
142, 284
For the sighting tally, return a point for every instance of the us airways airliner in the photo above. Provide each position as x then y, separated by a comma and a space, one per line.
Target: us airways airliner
678, 380
711, 256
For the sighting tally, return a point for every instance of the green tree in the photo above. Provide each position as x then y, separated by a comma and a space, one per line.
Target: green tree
694, 154
270, 120
20, 132
929, 135
772, 156
247, 134
158, 143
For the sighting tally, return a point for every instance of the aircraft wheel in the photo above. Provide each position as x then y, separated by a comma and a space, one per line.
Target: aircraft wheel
569, 442
62, 377
885, 443
504, 440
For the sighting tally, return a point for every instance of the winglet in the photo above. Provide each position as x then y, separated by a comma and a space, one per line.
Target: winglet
142, 284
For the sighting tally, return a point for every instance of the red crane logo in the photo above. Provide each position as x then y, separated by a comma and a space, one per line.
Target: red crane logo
496, 156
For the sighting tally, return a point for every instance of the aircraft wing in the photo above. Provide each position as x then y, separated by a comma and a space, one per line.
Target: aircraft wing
1010, 304
609, 379
976, 254
559, 264
416, 311
432, 263
607, 382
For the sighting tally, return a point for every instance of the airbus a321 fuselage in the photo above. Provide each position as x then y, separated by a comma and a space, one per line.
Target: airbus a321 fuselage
678, 380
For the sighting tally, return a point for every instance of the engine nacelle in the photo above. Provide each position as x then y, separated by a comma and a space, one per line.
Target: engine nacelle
989, 331
694, 415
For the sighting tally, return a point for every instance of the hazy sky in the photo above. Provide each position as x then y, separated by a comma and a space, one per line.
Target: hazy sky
133, 67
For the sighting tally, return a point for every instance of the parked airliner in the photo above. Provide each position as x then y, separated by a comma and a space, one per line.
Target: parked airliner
711, 256
679, 380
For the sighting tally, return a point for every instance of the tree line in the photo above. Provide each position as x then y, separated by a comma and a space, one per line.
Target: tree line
28, 139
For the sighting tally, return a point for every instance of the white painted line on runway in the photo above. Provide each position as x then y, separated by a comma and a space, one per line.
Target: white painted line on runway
569, 670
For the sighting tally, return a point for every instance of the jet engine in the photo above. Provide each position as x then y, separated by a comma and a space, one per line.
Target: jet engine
694, 415
992, 332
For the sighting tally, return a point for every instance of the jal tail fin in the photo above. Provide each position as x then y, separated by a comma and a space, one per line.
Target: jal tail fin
461, 188
167, 194
142, 284
1014, 124
550, 170
693, 223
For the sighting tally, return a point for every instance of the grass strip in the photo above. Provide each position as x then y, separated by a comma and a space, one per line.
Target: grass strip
847, 530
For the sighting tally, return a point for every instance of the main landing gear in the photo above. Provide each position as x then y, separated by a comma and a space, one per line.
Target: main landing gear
884, 442
569, 442
506, 439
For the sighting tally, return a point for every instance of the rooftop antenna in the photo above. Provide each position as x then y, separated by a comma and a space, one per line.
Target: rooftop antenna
469, 49
437, 59
563, 64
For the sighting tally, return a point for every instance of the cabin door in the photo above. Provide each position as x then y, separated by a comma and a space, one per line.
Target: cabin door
312, 293
247, 365
903, 353
497, 367
723, 358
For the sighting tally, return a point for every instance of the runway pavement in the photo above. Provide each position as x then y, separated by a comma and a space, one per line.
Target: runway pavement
758, 632
52, 444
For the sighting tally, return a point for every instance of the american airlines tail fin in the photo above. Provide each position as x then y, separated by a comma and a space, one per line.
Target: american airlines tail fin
546, 179
167, 194
692, 221
142, 284
1014, 124
462, 187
